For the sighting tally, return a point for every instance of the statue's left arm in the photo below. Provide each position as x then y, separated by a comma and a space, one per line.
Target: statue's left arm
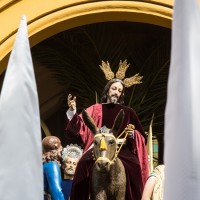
134, 119
139, 144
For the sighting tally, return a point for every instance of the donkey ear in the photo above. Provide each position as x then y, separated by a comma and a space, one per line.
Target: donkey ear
118, 122
89, 122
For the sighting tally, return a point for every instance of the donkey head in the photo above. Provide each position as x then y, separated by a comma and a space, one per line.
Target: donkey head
105, 143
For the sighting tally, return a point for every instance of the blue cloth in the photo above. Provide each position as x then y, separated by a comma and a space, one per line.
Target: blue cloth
66, 188
52, 180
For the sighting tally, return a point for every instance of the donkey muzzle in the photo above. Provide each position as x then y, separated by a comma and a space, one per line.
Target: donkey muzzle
103, 164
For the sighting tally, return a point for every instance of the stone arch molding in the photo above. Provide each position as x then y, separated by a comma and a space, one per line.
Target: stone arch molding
48, 17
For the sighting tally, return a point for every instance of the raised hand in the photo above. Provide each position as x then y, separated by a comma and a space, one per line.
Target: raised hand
71, 102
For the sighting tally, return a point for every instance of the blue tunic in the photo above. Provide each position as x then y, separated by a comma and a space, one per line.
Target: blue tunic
66, 188
52, 180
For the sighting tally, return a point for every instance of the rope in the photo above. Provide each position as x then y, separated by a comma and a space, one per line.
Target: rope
117, 152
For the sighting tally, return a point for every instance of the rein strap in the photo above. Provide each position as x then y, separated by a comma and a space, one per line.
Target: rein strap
103, 145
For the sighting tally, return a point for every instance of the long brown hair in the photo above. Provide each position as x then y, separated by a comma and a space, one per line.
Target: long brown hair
50, 146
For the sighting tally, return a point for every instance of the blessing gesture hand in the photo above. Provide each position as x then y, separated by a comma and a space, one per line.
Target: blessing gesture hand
71, 102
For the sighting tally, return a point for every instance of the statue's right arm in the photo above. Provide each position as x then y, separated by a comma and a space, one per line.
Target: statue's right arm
73, 124
73, 121
148, 188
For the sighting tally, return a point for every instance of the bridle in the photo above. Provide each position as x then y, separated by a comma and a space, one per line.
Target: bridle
103, 146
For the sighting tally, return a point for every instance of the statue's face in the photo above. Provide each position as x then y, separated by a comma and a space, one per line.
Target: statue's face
70, 165
114, 92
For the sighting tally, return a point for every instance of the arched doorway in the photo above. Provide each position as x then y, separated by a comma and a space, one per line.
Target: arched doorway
147, 20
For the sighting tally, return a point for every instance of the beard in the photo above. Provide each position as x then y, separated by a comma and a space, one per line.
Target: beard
113, 99
69, 171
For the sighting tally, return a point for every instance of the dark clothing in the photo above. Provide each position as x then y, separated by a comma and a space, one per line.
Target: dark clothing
133, 155
66, 188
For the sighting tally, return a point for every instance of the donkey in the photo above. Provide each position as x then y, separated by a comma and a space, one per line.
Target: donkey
108, 174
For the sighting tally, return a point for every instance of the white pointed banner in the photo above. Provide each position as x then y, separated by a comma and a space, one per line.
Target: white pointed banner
21, 175
150, 145
182, 120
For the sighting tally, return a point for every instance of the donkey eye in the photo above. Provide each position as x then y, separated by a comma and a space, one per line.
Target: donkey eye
111, 141
95, 142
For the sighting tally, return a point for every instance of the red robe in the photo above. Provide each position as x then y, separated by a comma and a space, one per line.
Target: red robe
133, 155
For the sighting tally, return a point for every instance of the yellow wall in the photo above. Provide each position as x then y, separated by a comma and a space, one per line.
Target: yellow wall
49, 17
